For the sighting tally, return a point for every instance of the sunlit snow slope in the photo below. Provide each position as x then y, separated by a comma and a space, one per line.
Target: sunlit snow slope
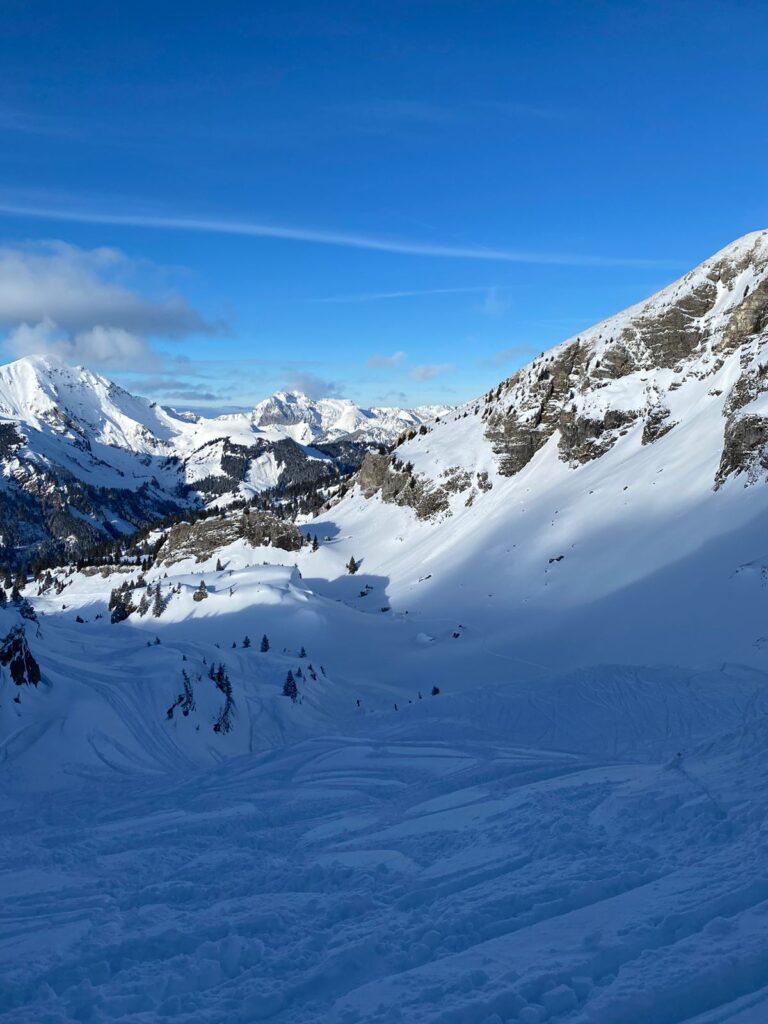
607, 503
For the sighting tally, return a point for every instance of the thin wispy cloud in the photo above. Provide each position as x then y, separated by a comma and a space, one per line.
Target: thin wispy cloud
377, 362
432, 370
496, 302
415, 294
172, 388
507, 355
375, 114
254, 229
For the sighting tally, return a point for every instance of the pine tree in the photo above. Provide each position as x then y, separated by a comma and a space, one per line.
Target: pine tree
143, 605
351, 567
435, 690
264, 644
158, 605
201, 593
315, 544
121, 607
302, 653
219, 566
289, 687
246, 642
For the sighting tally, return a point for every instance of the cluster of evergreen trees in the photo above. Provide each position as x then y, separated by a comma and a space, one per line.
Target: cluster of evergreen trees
290, 686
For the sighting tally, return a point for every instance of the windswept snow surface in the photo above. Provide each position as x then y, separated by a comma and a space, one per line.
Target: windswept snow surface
470, 859
584, 848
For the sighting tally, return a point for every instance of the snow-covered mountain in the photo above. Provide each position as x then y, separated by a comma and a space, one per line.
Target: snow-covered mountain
335, 419
522, 774
83, 459
606, 502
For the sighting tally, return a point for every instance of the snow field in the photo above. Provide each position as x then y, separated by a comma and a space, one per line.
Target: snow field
380, 877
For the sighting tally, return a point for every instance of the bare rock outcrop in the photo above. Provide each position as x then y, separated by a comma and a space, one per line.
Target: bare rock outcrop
397, 484
745, 449
204, 537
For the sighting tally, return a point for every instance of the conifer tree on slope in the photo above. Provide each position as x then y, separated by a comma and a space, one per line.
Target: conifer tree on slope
289, 687
158, 605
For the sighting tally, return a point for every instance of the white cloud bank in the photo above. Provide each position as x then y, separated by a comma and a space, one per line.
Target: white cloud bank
57, 299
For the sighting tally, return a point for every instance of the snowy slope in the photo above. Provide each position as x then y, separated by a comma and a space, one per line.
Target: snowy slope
447, 863
629, 543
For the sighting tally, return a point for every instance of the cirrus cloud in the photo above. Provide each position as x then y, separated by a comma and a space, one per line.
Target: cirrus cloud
432, 370
377, 362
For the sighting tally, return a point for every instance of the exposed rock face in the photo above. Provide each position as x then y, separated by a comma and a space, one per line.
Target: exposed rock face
745, 449
519, 425
203, 538
16, 656
583, 439
668, 364
580, 389
674, 333
748, 387
400, 487
750, 318
260, 528
657, 424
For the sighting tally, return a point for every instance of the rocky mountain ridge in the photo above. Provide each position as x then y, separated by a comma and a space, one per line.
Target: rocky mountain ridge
699, 345
84, 460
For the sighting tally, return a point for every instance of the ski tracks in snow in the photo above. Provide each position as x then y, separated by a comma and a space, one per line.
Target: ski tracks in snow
384, 878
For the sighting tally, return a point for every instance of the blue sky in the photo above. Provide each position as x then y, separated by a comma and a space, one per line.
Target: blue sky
395, 202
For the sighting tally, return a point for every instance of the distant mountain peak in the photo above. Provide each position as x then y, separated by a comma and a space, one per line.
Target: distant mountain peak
82, 457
